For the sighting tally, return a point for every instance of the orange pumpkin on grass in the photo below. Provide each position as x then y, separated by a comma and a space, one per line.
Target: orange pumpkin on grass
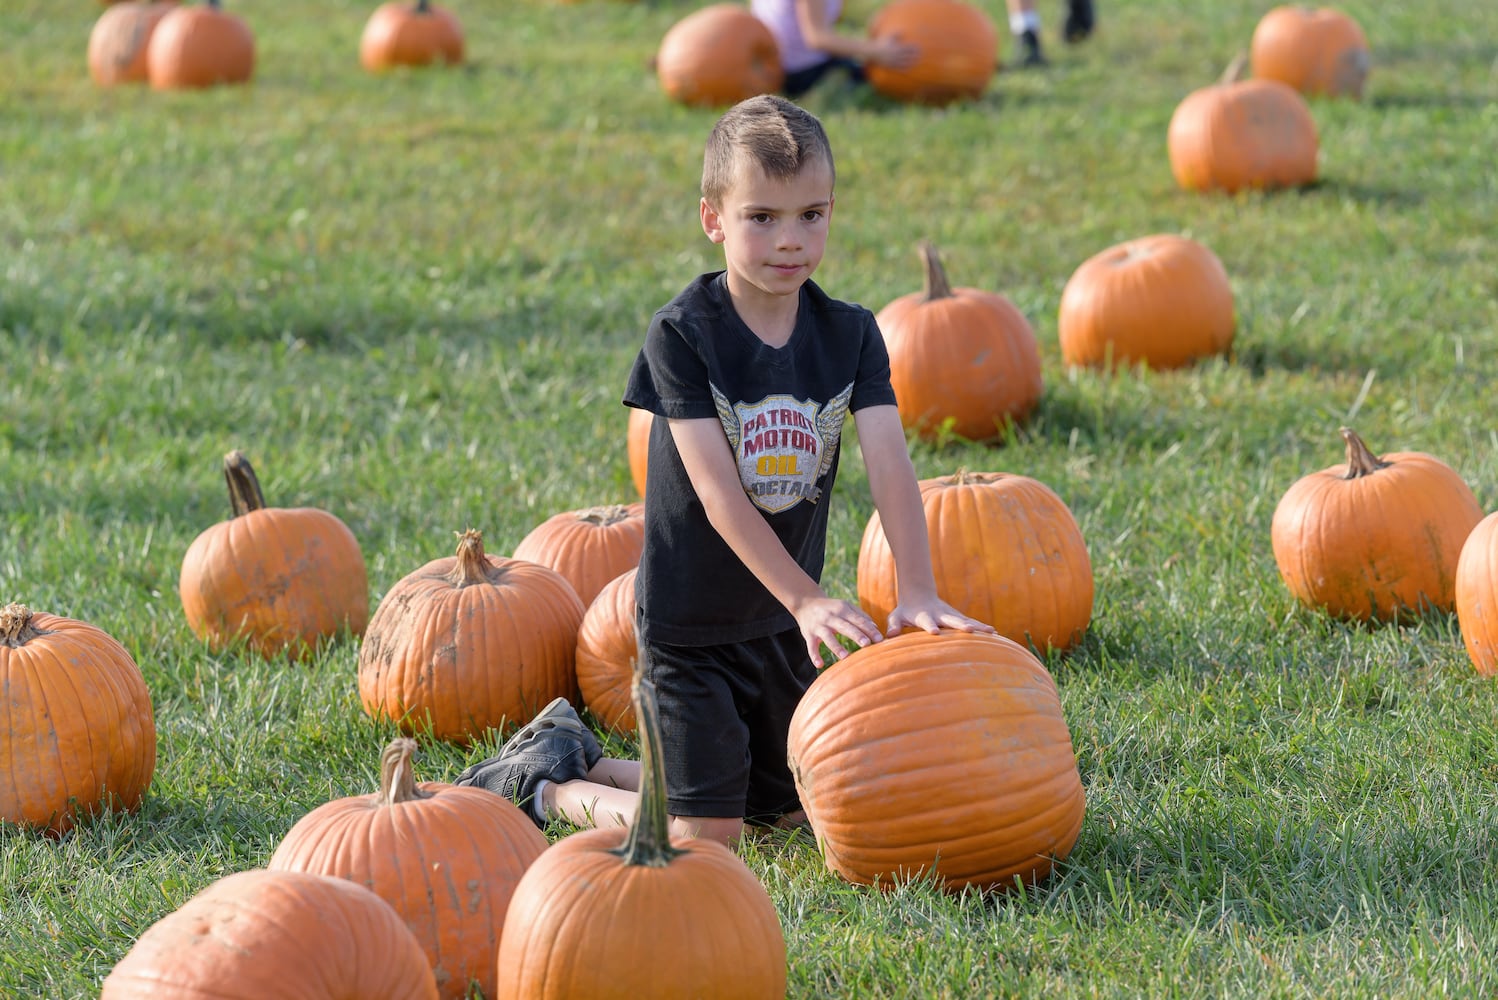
637, 445
1318, 51
201, 45
607, 647
117, 44
410, 34
1477, 595
718, 55
589, 547
958, 51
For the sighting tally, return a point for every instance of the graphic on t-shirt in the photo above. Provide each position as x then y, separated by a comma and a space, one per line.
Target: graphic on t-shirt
783, 445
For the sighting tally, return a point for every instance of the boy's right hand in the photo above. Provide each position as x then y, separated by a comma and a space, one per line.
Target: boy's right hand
825, 620
891, 52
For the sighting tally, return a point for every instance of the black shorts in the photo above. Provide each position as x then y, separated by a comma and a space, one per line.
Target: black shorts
725, 711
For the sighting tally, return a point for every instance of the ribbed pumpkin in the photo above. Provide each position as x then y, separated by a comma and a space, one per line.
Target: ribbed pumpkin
589, 547
1374, 538
1161, 300
410, 34
447, 858
1477, 595
1004, 549
961, 360
957, 45
1239, 134
943, 755
80, 734
718, 55
613, 914
1315, 50
638, 445
606, 653
283, 579
290, 935
117, 43
200, 46
469, 642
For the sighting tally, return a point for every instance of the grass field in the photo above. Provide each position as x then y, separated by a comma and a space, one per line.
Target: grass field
413, 299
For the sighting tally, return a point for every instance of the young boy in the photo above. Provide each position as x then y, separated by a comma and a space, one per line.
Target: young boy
750, 373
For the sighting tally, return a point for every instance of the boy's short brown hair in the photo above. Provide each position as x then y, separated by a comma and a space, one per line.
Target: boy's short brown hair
780, 136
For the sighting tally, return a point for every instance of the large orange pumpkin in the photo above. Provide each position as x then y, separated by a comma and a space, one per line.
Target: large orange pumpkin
1004, 550
961, 360
607, 648
80, 734
1375, 538
637, 445
446, 857
944, 755
1314, 50
614, 914
1239, 134
283, 579
410, 34
589, 547
200, 46
469, 642
718, 55
1477, 595
117, 43
258, 934
958, 50
1161, 300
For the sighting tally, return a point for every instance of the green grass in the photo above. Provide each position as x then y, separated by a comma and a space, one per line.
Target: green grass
413, 301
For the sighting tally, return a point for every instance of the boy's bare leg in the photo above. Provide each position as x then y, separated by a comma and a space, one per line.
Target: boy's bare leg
608, 797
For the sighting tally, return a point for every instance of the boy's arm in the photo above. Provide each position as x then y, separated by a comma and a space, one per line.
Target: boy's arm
897, 496
709, 463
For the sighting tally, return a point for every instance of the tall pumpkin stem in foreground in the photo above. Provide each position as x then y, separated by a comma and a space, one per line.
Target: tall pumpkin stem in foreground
244, 486
649, 840
15, 626
423, 6
937, 286
397, 779
473, 565
1360, 461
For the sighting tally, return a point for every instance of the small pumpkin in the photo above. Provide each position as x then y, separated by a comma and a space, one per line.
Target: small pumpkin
258, 934
1162, 300
973, 780
446, 858
583, 914
410, 34
1242, 134
606, 653
961, 360
117, 43
1376, 538
283, 579
200, 45
958, 51
718, 55
1318, 51
469, 642
638, 445
1005, 550
1477, 595
589, 547
80, 734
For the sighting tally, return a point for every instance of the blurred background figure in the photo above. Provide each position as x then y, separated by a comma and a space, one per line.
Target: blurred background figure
1024, 24
811, 47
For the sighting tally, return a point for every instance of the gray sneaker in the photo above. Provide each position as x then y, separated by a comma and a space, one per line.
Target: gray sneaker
559, 714
554, 746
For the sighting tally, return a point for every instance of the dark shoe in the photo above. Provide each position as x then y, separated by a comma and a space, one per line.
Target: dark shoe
1080, 20
557, 715
1029, 50
554, 754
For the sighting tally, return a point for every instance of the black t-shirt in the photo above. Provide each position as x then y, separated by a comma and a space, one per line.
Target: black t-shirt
782, 410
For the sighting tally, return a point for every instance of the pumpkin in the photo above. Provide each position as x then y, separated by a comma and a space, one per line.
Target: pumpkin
589, 547
972, 781
1238, 134
282, 579
117, 43
1004, 550
638, 445
446, 857
200, 46
258, 934
606, 653
1477, 595
468, 642
1377, 538
718, 55
410, 34
80, 734
957, 45
961, 360
614, 914
1162, 300
1316, 51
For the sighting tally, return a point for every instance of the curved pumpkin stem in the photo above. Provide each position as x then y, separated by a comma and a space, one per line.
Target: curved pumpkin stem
649, 840
1360, 461
473, 565
244, 486
604, 516
16, 629
423, 6
397, 779
937, 286
1234, 71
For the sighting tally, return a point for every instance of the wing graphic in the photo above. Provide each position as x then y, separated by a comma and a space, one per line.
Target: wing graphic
729, 418
830, 426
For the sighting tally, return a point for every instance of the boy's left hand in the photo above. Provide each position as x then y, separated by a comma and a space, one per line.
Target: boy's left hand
933, 615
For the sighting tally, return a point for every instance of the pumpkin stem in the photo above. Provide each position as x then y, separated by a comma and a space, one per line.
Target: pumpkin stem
473, 565
16, 629
423, 6
1234, 71
244, 487
397, 780
649, 840
937, 286
604, 516
1360, 461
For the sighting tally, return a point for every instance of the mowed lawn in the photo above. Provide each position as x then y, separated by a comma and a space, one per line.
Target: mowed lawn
413, 299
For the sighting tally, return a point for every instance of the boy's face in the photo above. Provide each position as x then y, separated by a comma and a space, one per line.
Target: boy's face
773, 231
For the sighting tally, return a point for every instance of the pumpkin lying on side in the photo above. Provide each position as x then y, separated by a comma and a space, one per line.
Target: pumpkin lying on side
718, 55
1318, 51
957, 51
201, 45
410, 34
1477, 595
607, 648
589, 547
117, 44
